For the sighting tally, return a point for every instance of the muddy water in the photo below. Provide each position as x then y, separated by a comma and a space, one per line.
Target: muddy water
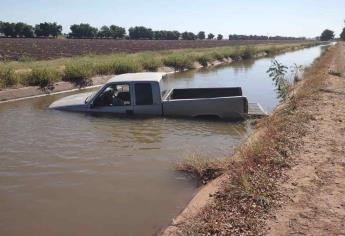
73, 174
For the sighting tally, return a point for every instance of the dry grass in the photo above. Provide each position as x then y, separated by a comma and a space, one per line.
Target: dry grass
250, 192
202, 168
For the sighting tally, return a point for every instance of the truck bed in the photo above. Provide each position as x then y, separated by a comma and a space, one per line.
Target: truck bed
225, 103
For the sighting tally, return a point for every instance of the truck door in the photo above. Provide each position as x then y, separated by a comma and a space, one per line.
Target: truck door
147, 98
114, 98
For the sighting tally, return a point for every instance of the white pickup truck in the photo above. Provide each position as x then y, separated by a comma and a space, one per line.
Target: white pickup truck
145, 94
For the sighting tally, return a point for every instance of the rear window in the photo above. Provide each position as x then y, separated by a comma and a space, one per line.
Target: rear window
143, 94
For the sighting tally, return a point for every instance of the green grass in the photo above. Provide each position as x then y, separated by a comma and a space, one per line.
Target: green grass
41, 77
7, 77
80, 69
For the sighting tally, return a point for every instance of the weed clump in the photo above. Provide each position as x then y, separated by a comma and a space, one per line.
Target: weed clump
150, 62
179, 62
248, 52
126, 65
79, 74
8, 78
43, 78
203, 169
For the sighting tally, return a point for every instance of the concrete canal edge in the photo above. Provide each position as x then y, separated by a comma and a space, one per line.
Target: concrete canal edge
327, 74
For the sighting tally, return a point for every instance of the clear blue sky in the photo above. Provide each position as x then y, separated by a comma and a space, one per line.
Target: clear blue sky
266, 17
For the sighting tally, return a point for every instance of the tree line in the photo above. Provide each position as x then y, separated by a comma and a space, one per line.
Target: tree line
82, 30
20, 29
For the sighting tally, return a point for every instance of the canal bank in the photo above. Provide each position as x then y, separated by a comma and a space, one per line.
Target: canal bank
201, 61
288, 177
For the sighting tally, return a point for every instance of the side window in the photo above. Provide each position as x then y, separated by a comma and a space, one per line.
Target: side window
143, 94
114, 95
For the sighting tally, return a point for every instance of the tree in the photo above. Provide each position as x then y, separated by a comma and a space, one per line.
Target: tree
166, 35
201, 35
55, 29
8, 29
42, 30
188, 36
173, 35
104, 32
160, 35
327, 35
28, 31
219, 37
83, 31
117, 32
23, 30
342, 35
140, 32
48, 29
210, 36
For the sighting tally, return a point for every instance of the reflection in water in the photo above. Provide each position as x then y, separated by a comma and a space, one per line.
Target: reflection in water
75, 174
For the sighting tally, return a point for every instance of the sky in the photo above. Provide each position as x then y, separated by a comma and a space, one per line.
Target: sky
262, 17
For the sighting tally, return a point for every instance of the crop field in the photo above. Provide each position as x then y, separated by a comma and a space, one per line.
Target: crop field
42, 49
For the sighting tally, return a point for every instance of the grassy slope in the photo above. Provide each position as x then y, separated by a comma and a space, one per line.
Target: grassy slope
81, 68
250, 191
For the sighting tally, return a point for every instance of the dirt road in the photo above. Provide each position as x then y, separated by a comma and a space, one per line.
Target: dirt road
315, 188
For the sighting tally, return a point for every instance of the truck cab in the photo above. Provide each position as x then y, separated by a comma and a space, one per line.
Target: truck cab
137, 93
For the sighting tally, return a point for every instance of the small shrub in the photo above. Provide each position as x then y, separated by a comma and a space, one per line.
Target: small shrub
25, 59
105, 68
150, 63
204, 60
203, 169
178, 62
79, 74
271, 50
8, 78
217, 56
277, 72
43, 78
248, 52
122, 66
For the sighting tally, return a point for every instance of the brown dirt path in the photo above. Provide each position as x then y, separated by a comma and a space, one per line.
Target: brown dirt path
314, 189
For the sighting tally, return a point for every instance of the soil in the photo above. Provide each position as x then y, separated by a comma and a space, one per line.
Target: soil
315, 186
42, 48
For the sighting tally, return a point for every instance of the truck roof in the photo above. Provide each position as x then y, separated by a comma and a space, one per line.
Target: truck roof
144, 76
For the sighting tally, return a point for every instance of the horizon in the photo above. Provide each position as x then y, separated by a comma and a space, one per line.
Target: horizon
294, 19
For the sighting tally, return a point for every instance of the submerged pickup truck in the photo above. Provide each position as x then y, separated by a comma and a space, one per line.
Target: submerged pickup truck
146, 94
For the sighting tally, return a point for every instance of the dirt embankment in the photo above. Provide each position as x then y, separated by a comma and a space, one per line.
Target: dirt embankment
315, 186
290, 178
